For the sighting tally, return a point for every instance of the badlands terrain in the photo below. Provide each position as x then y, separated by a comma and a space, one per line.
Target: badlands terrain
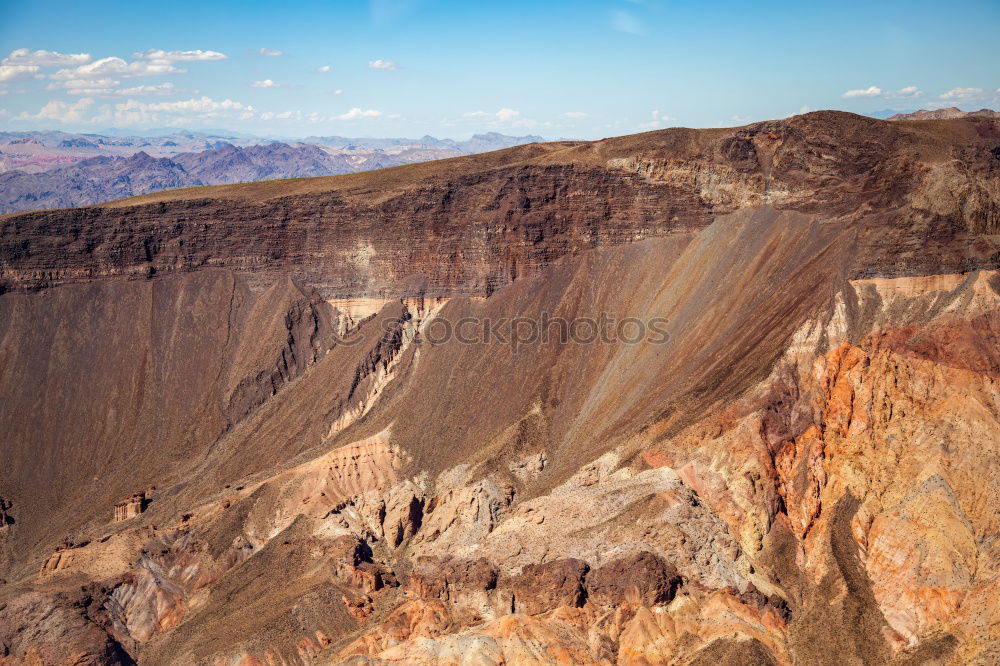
231, 437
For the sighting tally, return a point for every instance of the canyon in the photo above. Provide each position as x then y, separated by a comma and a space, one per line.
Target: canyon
231, 436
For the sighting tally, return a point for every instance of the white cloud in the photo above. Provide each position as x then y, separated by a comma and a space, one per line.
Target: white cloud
269, 83
270, 52
507, 115
805, 108
203, 105
623, 21
44, 58
657, 120
104, 87
575, 114
17, 72
165, 88
59, 111
312, 117
85, 87
875, 91
338, 91
870, 91
100, 76
501, 116
504, 118
171, 56
271, 115
114, 66
384, 64
134, 112
357, 113
324, 68
962, 93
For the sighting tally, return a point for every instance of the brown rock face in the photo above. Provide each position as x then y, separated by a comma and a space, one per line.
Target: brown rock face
801, 468
543, 587
641, 579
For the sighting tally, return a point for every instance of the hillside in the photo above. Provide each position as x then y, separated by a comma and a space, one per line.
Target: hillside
242, 424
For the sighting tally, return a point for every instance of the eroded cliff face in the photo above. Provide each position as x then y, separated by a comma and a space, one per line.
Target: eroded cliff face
801, 472
921, 194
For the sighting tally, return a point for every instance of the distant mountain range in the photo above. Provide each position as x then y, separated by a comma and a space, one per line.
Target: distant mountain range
33, 152
943, 114
61, 170
479, 143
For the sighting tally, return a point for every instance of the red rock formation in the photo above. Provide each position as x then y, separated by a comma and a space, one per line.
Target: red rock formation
130, 507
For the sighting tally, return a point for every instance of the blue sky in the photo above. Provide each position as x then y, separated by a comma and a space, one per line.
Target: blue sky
583, 69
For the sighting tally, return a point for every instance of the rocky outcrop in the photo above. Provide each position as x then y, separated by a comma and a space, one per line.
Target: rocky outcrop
299, 331
543, 587
130, 507
39, 628
62, 558
640, 579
